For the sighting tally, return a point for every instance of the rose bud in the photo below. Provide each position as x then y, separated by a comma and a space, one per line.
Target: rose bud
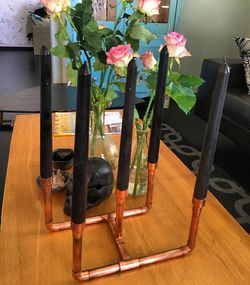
148, 60
149, 7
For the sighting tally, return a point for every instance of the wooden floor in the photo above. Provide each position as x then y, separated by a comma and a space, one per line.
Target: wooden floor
32, 255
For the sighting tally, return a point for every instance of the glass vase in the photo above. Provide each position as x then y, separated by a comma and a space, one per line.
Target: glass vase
101, 144
138, 179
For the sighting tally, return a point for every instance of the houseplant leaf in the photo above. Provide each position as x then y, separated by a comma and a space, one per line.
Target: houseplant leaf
60, 51
92, 36
139, 32
182, 95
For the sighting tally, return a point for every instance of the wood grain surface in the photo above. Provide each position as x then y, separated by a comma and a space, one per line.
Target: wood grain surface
29, 254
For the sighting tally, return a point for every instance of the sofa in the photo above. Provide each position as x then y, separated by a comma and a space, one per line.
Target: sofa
235, 122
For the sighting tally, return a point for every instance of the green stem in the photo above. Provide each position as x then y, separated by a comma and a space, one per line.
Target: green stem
140, 162
171, 64
106, 91
150, 119
62, 24
72, 23
146, 121
103, 73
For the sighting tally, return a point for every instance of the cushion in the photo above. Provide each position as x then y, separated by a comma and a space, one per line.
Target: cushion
244, 48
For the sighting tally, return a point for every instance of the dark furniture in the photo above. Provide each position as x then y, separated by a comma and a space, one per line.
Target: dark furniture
235, 122
20, 91
63, 99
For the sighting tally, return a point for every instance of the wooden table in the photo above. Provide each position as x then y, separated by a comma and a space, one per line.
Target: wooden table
29, 254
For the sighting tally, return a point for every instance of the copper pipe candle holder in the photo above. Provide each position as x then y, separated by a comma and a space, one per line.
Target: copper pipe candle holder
115, 223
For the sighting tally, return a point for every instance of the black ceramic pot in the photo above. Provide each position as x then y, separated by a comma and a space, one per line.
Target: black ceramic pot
100, 184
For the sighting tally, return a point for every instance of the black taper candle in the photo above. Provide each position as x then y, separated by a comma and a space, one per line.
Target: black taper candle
211, 135
80, 173
127, 127
45, 115
154, 144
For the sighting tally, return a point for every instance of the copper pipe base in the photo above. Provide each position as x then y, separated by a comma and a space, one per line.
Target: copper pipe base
114, 220
127, 263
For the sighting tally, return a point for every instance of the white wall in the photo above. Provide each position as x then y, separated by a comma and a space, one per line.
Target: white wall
13, 18
210, 27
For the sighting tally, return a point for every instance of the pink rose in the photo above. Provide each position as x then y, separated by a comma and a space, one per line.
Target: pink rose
176, 39
178, 51
119, 55
148, 60
176, 45
149, 7
55, 6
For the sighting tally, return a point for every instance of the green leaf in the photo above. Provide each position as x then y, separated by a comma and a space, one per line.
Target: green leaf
73, 50
74, 53
98, 66
92, 36
136, 115
190, 81
83, 12
61, 36
119, 41
111, 95
174, 76
182, 95
110, 42
105, 32
60, 51
139, 32
72, 74
151, 80
81, 15
134, 43
120, 85
102, 56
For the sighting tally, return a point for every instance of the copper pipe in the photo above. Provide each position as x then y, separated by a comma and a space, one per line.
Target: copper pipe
130, 264
53, 227
135, 212
77, 230
120, 200
96, 219
151, 174
119, 241
197, 207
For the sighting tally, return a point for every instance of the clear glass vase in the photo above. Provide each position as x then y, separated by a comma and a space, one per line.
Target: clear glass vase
138, 179
101, 144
